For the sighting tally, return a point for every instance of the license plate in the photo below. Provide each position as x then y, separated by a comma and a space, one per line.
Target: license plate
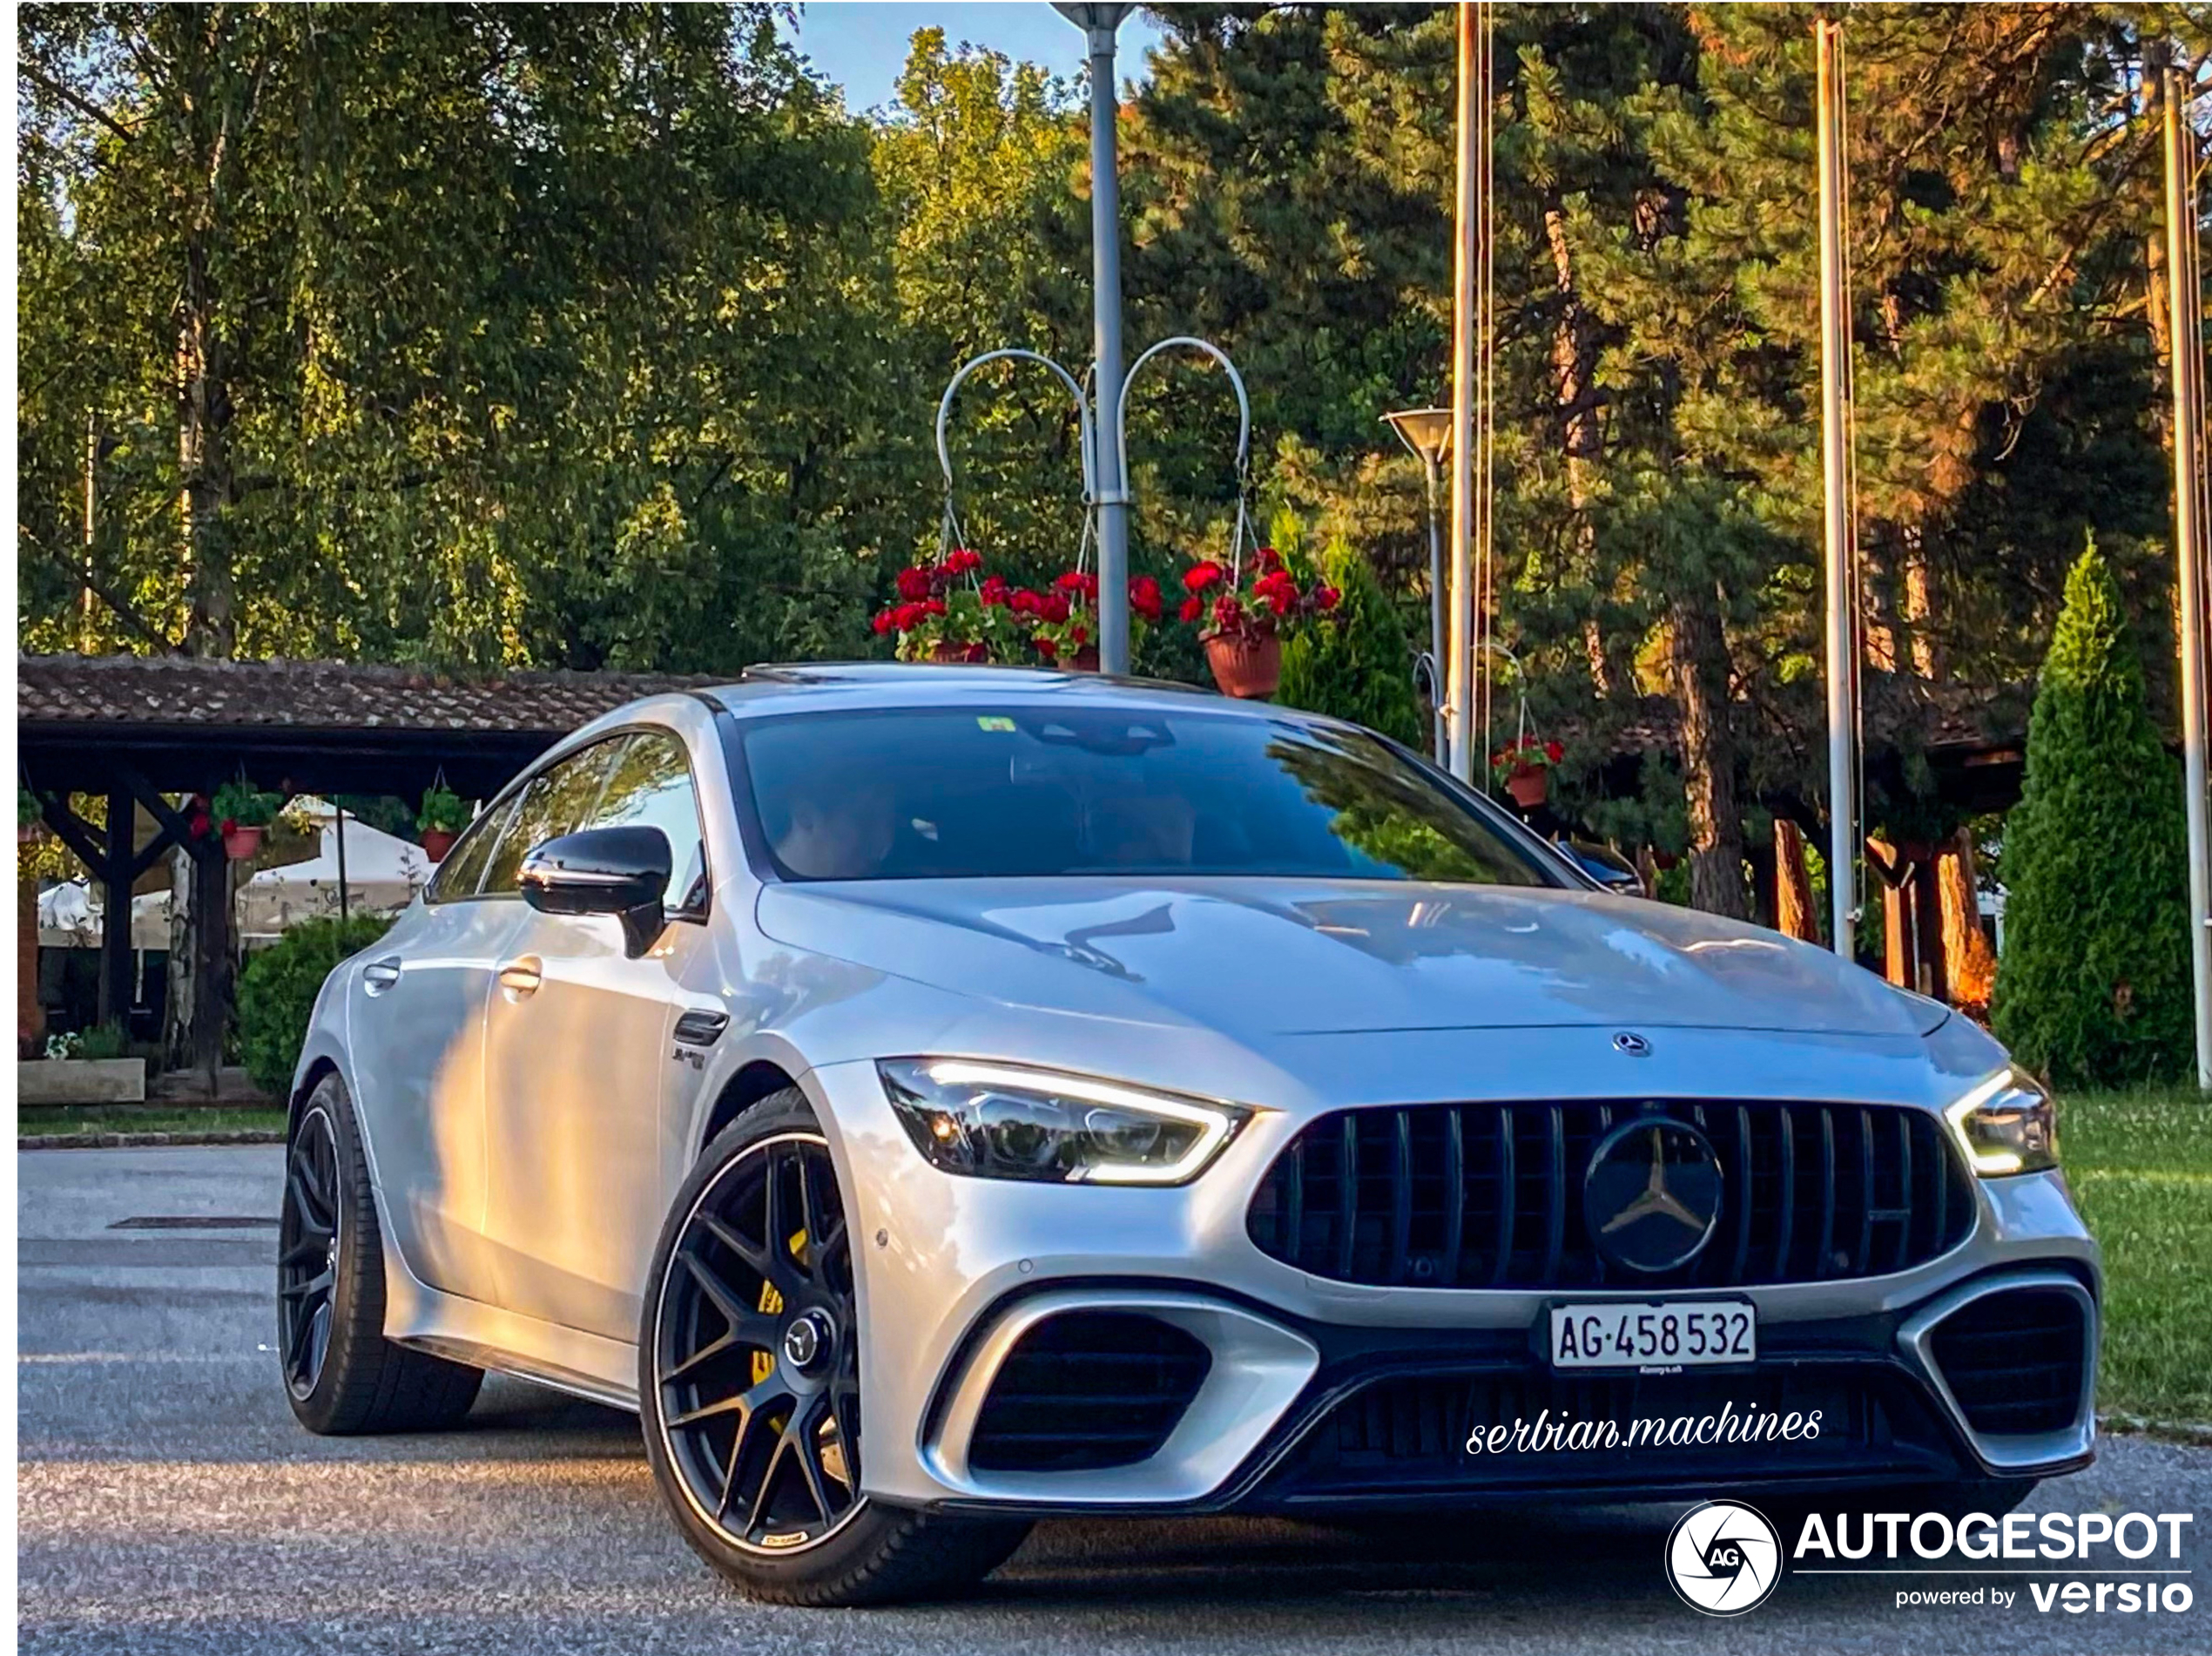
1654, 1335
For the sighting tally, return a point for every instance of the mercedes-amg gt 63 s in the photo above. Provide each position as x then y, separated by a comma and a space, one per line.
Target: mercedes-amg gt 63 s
935, 1099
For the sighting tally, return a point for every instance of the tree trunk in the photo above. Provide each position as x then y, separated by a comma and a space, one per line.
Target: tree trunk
204, 463
1794, 916
2156, 295
1927, 927
1698, 666
202, 897
1574, 342
1970, 964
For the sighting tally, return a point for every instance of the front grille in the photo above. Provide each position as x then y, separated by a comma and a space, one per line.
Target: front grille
1408, 1434
1490, 1195
2014, 1360
1087, 1389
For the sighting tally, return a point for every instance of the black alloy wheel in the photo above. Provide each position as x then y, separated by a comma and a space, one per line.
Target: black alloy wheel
307, 1251
757, 1358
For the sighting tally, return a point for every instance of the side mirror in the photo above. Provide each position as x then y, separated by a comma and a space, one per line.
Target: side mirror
1609, 868
618, 871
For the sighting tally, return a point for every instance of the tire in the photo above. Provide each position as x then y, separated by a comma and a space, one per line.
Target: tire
754, 1246
341, 1374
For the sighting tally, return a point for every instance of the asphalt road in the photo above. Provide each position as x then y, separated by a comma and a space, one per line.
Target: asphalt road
168, 1503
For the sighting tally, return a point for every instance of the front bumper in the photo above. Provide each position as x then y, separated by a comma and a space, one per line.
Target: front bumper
1322, 1394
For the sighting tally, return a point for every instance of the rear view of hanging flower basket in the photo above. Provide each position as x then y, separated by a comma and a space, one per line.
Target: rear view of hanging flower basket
244, 813
1523, 769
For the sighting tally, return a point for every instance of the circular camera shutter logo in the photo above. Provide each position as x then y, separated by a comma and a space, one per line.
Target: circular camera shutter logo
1724, 1559
1652, 1194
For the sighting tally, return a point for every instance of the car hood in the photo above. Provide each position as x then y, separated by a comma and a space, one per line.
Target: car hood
1254, 958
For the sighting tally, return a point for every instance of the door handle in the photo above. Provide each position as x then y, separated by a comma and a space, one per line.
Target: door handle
380, 974
524, 976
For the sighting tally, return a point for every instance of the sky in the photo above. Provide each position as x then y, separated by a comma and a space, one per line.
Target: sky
863, 46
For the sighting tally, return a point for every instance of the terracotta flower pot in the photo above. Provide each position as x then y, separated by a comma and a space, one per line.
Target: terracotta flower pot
1245, 665
1086, 659
436, 842
242, 840
947, 650
1530, 785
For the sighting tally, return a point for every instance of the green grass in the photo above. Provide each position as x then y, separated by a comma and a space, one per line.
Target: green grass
2140, 1163
92, 1118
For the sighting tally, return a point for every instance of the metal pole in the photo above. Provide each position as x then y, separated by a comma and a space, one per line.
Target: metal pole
1100, 23
1835, 370
1458, 670
1441, 737
2184, 312
342, 899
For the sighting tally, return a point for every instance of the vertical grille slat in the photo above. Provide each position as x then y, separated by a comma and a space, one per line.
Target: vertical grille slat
1348, 1196
1490, 1195
1401, 1193
1555, 1192
1508, 1182
1455, 1195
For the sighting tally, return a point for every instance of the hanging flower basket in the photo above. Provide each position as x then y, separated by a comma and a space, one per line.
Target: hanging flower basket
1530, 786
1247, 665
436, 842
242, 840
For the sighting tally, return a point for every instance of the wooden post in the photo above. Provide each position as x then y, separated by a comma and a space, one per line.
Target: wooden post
1793, 911
115, 876
1927, 924
1969, 963
1892, 866
210, 959
31, 1016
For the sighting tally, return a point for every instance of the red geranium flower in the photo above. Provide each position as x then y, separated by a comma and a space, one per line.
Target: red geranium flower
934, 606
1553, 751
959, 560
1077, 580
1053, 607
913, 583
1193, 607
1270, 559
1144, 596
1327, 598
1024, 602
1046, 647
882, 622
1199, 576
994, 591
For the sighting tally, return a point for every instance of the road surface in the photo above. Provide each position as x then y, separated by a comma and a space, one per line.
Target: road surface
169, 1504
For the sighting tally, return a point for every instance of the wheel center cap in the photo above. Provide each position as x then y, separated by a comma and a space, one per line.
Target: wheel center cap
807, 1341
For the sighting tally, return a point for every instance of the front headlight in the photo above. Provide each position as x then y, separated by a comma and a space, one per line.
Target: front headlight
999, 1121
2006, 1124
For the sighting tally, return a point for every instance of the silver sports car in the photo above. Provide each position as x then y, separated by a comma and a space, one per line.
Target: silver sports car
936, 1097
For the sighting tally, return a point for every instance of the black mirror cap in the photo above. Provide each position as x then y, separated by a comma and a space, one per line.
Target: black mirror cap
618, 871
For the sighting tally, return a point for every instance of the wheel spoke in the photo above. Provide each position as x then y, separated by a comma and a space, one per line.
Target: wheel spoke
313, 1245
810, 1222
753, 1328
809, 1453
764, 1497
318, 1283
737, 1405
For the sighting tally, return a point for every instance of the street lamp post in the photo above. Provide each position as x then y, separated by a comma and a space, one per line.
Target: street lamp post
1428, 432
1100, 23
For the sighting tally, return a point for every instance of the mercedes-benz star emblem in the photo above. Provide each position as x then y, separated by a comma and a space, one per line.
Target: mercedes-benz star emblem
803, 1340
1632, 1044
1652, 1194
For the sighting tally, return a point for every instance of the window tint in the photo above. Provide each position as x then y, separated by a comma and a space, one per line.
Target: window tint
937, 793
557, 801
464, 865
649, 786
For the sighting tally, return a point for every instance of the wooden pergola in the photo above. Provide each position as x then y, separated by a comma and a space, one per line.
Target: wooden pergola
137, 731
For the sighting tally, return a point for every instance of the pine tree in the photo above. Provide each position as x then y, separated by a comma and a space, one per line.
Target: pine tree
1357, 665
2095, 982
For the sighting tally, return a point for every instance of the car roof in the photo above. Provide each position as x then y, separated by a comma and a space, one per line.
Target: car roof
790, 687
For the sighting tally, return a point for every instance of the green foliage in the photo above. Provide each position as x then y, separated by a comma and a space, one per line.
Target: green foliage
2093, 985
27, 807
277, 990
241, 802
441, 812
1356, 664
103, 1041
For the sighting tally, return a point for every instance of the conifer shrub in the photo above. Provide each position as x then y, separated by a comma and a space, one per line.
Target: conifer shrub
1357, 665
277, 990
2093, 985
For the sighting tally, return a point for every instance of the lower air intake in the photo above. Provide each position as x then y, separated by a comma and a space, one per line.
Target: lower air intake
2013, 1361
1085, 1390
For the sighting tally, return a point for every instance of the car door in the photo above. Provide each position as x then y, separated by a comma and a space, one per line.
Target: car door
417, 1026
576, 1058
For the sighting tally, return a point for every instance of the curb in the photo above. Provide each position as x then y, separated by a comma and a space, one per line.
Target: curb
2171, 1431
143, 1140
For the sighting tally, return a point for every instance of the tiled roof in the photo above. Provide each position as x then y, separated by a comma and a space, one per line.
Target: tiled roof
172, 690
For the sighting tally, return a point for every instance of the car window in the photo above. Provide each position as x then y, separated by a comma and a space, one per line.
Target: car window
649, 786
459, 875
945, 793
558, 800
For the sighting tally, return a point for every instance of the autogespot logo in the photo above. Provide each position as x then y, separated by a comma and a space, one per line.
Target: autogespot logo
1724, 1559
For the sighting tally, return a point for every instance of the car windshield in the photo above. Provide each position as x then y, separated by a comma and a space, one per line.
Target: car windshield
909, 793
